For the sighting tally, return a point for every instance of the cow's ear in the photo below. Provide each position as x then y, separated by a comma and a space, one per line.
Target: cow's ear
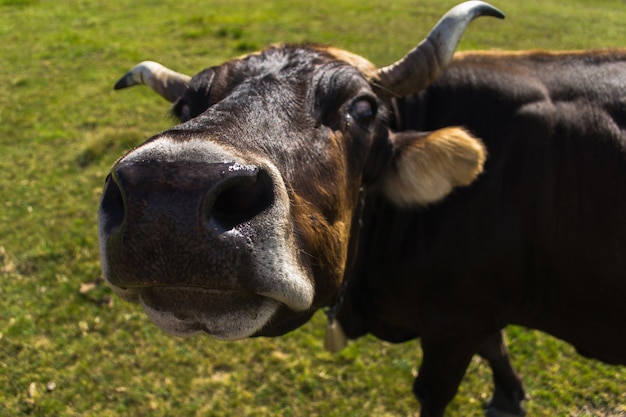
427, 166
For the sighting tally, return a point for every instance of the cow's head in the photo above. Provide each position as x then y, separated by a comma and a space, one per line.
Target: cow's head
237, 221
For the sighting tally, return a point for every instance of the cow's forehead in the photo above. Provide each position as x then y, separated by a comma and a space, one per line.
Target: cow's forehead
288, 59
313, 74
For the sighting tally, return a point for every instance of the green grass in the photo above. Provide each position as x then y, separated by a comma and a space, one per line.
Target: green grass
69, 348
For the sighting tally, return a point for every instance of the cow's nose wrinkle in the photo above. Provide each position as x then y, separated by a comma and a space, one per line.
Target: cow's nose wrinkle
112, 209
239, 199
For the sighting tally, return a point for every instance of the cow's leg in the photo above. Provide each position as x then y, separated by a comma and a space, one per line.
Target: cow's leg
509, 392
443, 366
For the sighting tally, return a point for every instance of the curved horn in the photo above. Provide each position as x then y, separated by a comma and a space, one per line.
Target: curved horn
167, 83
425, 63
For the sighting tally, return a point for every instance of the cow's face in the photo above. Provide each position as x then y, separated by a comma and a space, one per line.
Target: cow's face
237, 221
221, 224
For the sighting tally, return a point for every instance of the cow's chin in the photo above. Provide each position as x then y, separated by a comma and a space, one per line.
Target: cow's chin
226, 315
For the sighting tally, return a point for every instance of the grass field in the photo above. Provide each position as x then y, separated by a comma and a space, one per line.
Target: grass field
68, 348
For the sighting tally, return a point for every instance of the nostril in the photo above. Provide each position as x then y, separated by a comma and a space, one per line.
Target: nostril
111, 211
242, 198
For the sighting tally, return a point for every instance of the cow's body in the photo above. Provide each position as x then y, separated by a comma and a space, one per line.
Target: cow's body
538, 240
546, 215
243, 220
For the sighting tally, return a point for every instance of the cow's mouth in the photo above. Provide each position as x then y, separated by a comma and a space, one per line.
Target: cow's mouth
224, 314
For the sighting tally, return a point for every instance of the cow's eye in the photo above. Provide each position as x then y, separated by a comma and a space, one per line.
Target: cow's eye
181, 110
185, 113
363, 111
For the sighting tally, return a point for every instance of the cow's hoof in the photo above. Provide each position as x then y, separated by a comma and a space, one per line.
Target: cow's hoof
494, 412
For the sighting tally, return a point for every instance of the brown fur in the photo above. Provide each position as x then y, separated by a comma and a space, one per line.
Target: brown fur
363, 65
322, 217
428, 167
537, 52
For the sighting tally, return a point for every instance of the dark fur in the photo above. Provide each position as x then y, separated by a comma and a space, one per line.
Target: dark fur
538, 240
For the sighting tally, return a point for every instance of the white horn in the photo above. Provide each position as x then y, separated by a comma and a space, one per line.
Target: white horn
425, 63
167, 83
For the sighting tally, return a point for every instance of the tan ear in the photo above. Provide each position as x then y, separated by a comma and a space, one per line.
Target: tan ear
427, 167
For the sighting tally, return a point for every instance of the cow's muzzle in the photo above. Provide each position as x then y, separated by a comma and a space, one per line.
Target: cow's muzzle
202, 197
164, 218
203, 243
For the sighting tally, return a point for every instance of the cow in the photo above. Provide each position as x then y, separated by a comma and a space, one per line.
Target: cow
443, 197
